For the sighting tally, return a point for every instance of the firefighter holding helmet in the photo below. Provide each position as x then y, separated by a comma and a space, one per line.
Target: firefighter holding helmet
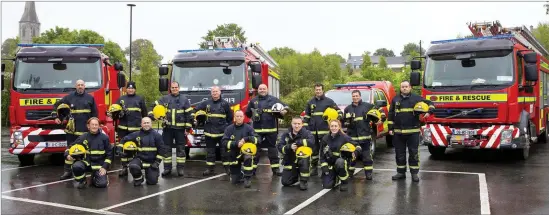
91, 152
128, 110
215, 115
318, 109
358, 118
74, 109
336, 156
265, 110
145, 150
175, 111
241, 145
404, 124
296, 145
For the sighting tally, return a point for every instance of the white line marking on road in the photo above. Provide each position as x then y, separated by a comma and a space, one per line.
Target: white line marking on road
435, 171
58, 205
55, 182
162, 192
203, 161
313, 198
484, 198
21, 167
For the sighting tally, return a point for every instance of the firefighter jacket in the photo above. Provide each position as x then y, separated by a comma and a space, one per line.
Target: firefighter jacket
179, 111
134, 110
357, 121
333, 144
314, 111
402, 119
218, 116
303, 138
149, 145
234, 133
98, 149
259, 110
83, 107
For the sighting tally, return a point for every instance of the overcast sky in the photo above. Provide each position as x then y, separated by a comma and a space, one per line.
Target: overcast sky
331, 27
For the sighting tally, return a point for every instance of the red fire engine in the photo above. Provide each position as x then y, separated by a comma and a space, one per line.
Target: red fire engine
490, 91
238, 69
43, 74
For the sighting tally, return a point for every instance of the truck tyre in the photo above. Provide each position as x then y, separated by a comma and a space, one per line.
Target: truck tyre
389, 141
524, 153
373, 146
437, 152
57, 159
544, 136
26, 160
534, 138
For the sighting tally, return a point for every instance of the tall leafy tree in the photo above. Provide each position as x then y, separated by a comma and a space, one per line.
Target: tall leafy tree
137, 45
409, 48
541, 32
384, 52
147, 79
225, 30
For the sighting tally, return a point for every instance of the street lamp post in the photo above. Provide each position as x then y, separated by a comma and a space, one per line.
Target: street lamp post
131, 7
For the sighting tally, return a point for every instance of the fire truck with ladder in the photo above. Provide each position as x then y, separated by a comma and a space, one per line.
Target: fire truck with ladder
490, 91
238, 69
42, 75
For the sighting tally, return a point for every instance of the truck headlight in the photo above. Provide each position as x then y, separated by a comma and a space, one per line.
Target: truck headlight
17, 137
427, 135
506, 137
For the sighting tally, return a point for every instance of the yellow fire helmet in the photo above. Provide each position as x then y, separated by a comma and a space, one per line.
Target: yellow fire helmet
330, 114
248, 149
159, 111
129, 146
200, 117
116, 111
374, 115
77, 151
421, 107
63, 110
303, 152
347, 147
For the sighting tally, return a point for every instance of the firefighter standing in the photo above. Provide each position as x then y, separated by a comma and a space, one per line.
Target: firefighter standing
177, 123
218, 115
404, 124
145, 149
336, 156
130, 108
265, 110
82, 107
314, 112
296, 145
240, 142
358, 116
91, 152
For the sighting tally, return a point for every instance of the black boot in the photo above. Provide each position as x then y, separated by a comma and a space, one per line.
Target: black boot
227, 169
138, 182
82, 184
167, 172
66, 175
399, 176
314, 171
235, 178
303, 185
180, 171
343, 185
276, 172
247, 182
124, 172
368, 175
415, 178
209, 171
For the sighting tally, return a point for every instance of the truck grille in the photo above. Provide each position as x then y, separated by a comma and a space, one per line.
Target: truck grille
37, 114
486, 113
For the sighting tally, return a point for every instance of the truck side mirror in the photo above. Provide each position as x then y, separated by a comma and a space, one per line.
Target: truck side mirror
256, 81
121, 80
531, 57
163, 84
415, 65
415, 78
162, 70
256, 68
381, 103
118, 66
531, 73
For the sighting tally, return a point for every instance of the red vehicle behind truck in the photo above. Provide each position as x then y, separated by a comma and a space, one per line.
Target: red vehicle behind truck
43, 74
490, 91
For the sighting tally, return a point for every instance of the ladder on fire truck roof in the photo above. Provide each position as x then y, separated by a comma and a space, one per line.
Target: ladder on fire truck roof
520, 34
254, 49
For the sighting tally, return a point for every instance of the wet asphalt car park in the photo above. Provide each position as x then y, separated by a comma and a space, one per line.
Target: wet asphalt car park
464, 182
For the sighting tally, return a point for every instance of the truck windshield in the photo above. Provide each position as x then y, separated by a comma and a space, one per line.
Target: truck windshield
487, 68
342, 98
43, 74
198, 76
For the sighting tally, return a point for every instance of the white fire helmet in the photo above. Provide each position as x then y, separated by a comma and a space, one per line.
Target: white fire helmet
277, 107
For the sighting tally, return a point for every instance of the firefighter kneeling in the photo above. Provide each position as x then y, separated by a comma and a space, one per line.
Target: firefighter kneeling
145, 149
240, 142
296, 145
91, 152
336, 157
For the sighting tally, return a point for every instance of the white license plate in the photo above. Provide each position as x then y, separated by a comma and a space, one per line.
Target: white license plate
199, 131
56, 144
463, 132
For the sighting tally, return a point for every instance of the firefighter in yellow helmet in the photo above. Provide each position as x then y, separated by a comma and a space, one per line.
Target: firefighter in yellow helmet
361, 119
316, 122
296, 145
336, 156
133, 110
97, 157
145, 150
82, 108
404, 125
240, 142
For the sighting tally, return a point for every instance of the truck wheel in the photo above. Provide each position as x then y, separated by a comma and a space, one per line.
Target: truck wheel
373, 147
26, 160
534, 139
389, 141
437, 152
544, 136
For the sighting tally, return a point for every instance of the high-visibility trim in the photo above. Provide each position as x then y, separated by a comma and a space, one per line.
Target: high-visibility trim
362, 138
304, 142
212, 135
389, 122
180, 160
97, 152
79, 177
275, 165
210, 163
159, 157
404, 110
406, 131
217, 115
368, 168
247, 168
288, 167
108, 161
317, 113
265, 130
129, 128
147, 149
69, 162
96, 167
134, 109
526, 99
81, 111
323, 164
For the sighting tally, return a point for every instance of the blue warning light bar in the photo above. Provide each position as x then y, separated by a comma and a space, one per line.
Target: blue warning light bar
353, 85
203, 50
503, 36
58, 45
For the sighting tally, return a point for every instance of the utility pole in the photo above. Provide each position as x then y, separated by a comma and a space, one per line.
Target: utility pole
547, 6
131, 7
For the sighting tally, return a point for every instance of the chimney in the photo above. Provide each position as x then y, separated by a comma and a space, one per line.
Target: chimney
349, 56
531, 28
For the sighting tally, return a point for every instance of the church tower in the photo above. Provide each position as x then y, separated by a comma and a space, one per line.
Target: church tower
29, 26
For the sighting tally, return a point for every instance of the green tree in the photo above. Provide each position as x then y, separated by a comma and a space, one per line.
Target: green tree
147, 79
384, 52
541, 32
225, 30
382, 62
137, 45
281, 52
409, 48
366, 60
